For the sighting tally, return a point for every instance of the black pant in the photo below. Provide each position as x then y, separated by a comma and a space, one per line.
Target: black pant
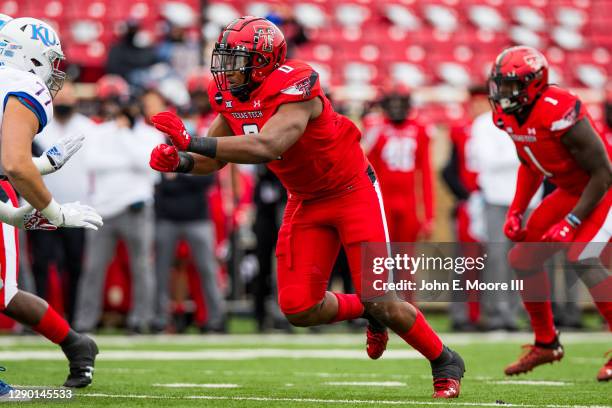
266, 229
64, 248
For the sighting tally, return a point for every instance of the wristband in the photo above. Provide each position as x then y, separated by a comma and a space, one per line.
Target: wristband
43, 164
206, 146
573, 220
53, 212
186, 163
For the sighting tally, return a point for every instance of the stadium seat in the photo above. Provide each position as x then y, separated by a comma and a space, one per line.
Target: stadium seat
13, 7
351, 14
310, 15
567, 38
409, 74
486, 17
529, 17
441, 17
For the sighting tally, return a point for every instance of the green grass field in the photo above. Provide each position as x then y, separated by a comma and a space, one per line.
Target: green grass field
306, 371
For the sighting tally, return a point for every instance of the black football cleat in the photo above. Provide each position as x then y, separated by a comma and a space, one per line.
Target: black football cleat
447, 371
81, 356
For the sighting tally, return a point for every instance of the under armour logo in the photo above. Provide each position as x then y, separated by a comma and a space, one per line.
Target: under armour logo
89, 372
257, 103
531, 131
564, 232
228, 104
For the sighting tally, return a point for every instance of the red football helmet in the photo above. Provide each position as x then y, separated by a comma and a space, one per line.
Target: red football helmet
517, 78
198, 80
112, 86
251, 46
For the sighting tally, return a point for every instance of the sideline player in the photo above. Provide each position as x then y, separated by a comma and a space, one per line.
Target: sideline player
30, 53
278, 115
554, 138
400, 156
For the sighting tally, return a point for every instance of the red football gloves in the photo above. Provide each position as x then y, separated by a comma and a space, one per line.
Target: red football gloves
172, 125
164, 158
562, 232
513, 226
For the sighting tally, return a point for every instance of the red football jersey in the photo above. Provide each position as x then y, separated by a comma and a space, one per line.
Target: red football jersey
400, 151
538, 140
326, 159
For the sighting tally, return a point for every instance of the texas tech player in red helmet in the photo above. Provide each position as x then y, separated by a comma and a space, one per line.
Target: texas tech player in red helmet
554, 138
273, 111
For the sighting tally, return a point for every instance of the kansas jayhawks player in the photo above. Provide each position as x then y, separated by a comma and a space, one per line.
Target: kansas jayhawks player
272, 110
30, 52
554, 138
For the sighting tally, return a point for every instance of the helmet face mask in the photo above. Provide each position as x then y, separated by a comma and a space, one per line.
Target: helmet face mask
229, 63
57, 78
518, 77
508, 94
247, 51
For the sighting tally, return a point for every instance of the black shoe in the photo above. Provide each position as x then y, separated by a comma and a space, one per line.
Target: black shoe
220, 328
81, 356
448, 365
464, 327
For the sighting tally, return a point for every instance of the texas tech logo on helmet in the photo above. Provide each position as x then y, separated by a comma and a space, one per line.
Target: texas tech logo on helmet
535, 61
265, 36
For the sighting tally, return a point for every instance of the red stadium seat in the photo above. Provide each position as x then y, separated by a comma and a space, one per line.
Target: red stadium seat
13, 7
93, 54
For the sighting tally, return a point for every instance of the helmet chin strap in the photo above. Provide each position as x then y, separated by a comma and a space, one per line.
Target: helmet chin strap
243, 92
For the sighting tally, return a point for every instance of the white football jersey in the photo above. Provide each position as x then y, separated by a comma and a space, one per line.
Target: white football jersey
30, 90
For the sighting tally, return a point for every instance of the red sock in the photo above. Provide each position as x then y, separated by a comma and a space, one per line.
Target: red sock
53, 326
605, 308
349, 307
536, 298
540, 314
422, 337
602, 296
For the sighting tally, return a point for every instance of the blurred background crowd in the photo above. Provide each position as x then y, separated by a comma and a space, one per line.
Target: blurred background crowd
179, 252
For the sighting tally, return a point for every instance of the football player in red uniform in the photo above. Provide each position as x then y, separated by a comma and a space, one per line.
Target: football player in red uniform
272, 110
400, 156
554, 138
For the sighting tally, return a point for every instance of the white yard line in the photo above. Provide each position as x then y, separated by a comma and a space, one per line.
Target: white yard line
309, 339
218, 354
367, 383
331, 401
188, 385
532, 382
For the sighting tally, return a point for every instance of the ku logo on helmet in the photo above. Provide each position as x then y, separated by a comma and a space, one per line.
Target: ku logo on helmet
43, 34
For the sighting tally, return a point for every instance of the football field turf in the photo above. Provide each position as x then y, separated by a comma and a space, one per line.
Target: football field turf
325, 370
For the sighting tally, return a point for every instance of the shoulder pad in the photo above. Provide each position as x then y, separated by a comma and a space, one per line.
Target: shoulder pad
559, 109
30, 90
293, 82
